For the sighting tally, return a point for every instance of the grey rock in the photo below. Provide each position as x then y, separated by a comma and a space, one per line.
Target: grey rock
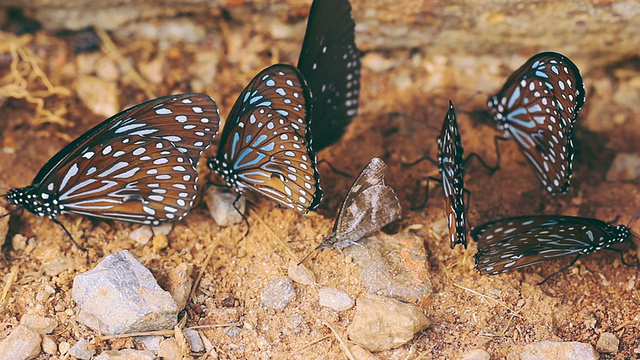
382, 323
624, 167
335, 299
477, 354
278, 293
81, 350
221, 207
195, 340
43, 325
608, 343
121, 296
545, 350
403, 276
126, 354
23, 343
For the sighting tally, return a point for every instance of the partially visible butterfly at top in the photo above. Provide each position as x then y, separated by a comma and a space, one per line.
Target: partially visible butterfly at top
137, 166
537, 107
330, 62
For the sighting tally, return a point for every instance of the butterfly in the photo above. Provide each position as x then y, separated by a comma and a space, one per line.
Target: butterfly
330, 62
138, 166
266, 143
451, 163
368, 206
537, 107
517, 242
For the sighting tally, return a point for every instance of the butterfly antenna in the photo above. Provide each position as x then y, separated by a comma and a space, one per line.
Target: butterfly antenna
11, 212
634, 217
561, 270
335, 170
419, 161
68, 234
622, 257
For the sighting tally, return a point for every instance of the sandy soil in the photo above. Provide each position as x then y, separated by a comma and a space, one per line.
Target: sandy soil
468, 311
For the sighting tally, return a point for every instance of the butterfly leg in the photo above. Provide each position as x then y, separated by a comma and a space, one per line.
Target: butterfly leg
622, 258
336, 171
426, 195
68, 234
561, 270
244, 218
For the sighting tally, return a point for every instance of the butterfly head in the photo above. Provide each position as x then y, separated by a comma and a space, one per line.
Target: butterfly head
497, 108
224, 171
28, 198
623, 233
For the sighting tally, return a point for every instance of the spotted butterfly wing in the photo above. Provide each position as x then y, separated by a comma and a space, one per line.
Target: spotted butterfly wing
517, 242
368, 206
266, 142
451, 168
537, 107
330, 62
137, 166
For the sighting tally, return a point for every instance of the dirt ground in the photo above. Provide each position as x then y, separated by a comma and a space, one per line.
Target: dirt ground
467, 311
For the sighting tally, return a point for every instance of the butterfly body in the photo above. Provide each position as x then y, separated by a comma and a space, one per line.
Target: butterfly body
537, 107
517, 242
266, 145
137, 166
368, 206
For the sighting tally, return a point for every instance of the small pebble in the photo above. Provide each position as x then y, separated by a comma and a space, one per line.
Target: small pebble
335, 299
477, 354
141, 235
625, 167
608, 343
195, 340
64, 347
558, 351
180, 283
221, 207
120, 296
4, 224
43, 325
56, 265
18, 242
382, 323
81, 350
361, 353
126, 354
300, 273
44, 294
169, 350
49, 345
162, 229
278, 293
149, 342
22, 343
160, 242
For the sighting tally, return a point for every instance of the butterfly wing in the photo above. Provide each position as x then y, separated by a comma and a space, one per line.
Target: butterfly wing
190, 121
451, 159
330, 62
368, 206
138, 166
266, 144
518, 242
148, 182
537, 107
